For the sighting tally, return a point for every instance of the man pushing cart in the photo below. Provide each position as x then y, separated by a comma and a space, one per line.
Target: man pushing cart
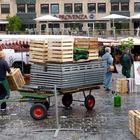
4, 85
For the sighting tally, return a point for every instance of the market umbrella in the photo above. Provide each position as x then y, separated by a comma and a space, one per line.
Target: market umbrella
114, 17
47, 18
137, 16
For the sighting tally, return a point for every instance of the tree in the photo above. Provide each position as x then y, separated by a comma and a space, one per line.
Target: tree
15, 23
127, 44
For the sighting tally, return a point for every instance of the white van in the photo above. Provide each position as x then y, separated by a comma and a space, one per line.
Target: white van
16, 59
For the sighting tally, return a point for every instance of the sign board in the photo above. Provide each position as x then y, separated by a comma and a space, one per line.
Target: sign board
137, 72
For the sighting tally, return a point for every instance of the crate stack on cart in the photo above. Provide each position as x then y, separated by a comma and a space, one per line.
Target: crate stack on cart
88, 44
38, 51
61, 70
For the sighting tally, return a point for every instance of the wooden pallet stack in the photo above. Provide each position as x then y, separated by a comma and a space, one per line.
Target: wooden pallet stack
16, 79
60, 50
122, 85
82, 43
38, 51
134, 122
125, 85
90, 44
93, 48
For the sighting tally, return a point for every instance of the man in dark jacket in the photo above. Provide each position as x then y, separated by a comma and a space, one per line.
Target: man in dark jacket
126, 62
4, 86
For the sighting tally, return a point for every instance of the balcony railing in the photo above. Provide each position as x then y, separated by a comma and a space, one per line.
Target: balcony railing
119, 33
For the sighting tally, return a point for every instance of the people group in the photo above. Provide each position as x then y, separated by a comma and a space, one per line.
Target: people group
126, 62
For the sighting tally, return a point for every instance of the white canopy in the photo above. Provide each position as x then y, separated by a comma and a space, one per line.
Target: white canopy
137, 16
115, 16
47, 18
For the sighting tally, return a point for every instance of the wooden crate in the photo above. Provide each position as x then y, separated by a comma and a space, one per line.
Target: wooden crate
82, 43
60, 50
38, 51
134, 122
93, 43
122, 85
16, 80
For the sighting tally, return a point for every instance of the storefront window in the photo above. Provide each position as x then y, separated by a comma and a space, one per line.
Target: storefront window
91, 7
78, 8
137, 7
124, 6
31, 8
44, 8
101, 7
20, 8
54, 8
115, 6
5, 8
100, 25
68, 8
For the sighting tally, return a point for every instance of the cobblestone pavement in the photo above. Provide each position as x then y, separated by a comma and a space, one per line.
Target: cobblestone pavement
104, 122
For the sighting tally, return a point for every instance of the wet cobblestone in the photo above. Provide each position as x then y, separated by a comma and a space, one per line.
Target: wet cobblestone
104, 122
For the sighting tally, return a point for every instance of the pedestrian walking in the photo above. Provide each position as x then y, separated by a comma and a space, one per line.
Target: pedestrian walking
4, 85
108, 75
126, 61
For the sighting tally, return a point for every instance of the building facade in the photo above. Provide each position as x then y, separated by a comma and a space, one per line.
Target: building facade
81, 16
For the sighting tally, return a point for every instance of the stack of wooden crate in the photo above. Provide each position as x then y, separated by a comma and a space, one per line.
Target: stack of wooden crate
125, 85
93, 48
89, 44
82, 43
16, 79
122, 85
38, 51
134, 122
60, 50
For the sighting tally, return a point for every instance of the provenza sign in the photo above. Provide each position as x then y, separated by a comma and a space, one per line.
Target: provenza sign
74, 17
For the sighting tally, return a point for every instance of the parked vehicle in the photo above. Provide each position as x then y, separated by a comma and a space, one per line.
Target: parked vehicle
17, 59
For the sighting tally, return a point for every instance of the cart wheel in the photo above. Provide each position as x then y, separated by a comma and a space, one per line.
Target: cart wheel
67, 100
47, 105
38, 111
89, 102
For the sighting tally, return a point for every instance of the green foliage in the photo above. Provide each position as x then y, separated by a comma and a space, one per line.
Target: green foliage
127, 44
15, 23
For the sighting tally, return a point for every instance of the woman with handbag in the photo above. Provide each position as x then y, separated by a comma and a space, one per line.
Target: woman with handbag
110, 68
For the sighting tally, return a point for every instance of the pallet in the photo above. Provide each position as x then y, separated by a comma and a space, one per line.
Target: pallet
81, 43
38, 51
134, 122
60, 50
16, 80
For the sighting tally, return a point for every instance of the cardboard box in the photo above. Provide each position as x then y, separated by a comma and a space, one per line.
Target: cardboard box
16, 80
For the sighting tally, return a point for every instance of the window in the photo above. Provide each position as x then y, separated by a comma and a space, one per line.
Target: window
78, 8
124, 6
5, 8
68, 8
31, 8
20, 8
115, 6
137, 6
44, 8
101, 7
91, 7
54, 8
100, 25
